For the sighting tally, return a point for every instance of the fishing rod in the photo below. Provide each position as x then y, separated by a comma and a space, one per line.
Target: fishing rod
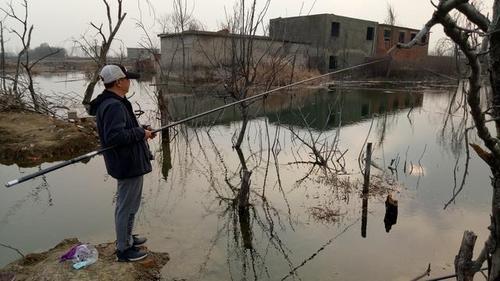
99, 151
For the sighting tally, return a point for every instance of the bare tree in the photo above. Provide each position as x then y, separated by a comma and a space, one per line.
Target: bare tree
391, 21
474, 49
24, 36
165, 23
391, 15
24, 64
444, 47
182, 18
99, 53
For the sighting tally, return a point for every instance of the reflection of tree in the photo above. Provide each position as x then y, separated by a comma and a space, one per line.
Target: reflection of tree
318, 251
165, 135
323, 151
34, 196
253, 224
479, 48
245, 210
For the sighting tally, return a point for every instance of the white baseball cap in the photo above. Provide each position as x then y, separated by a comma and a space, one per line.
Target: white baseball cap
113, 72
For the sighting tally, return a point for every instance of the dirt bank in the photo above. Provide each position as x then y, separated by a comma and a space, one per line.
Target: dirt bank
29, 139
46, 266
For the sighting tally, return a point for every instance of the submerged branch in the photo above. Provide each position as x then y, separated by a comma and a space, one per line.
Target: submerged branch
14, 249
294, 270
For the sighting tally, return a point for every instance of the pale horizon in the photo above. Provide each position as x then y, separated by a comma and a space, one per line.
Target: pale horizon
59, 22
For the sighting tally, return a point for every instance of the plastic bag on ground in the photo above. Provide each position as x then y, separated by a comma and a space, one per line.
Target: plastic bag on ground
81, 255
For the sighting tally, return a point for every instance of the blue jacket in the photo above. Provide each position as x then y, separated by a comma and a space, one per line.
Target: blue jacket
117, 125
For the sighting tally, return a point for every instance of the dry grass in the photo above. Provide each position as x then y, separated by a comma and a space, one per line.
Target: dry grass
284, 74
325, 214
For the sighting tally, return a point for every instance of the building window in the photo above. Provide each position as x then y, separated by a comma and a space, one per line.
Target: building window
412, 35
333, 62
335, 29
387, 34
369, 33
365, 110
401, 37
424, 39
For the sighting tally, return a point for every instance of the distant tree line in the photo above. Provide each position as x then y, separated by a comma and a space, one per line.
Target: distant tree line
41, 51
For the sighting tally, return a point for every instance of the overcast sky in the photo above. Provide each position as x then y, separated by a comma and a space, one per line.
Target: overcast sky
59, 22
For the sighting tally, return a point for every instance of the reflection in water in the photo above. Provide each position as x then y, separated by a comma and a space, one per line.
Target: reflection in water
350, 106
281, 230
166, 154
364, 216
309, 118
166, 163
391, 212
293, 272
243, 201
247, 213
324, 109
34, 196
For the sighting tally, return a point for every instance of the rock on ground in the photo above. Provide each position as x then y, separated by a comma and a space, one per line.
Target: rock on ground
46, 266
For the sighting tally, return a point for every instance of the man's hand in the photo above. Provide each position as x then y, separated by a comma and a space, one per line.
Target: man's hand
148, 134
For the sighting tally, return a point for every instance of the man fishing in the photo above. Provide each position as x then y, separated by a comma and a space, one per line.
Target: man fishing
129, 161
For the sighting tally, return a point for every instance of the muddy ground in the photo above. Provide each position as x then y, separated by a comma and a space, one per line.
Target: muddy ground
46, 266
29, 139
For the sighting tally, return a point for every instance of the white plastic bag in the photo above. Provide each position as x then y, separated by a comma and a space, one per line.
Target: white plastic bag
85, 255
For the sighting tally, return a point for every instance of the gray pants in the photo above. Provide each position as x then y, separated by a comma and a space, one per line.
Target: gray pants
128, 200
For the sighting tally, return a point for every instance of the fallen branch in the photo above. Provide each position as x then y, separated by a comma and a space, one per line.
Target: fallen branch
14, 249
450, 276
426, 273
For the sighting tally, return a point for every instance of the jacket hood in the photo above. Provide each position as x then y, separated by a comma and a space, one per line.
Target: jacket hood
95, 103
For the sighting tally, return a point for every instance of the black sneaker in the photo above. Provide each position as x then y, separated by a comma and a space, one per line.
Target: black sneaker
131, 254
138, 241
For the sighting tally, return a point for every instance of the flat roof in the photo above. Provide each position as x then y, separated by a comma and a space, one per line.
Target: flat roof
401, 27
326, 14
223, 34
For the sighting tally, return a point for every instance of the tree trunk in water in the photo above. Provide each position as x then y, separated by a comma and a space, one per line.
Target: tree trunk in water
243, 202
245, 228
165, 136
463, 261
244, 117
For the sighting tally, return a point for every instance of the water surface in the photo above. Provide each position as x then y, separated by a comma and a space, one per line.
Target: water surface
188, 207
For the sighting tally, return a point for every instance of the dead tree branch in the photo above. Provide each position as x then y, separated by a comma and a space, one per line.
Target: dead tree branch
467, 43
100, 55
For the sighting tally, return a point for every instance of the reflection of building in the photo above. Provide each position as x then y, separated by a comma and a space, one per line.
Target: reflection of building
355, 106
337, 41
290, 107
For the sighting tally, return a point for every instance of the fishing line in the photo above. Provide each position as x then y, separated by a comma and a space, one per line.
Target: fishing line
97, 152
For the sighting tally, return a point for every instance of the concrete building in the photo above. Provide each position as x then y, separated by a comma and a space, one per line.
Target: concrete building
389, 35
207, 54
140, 53
336, 41
324, 42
